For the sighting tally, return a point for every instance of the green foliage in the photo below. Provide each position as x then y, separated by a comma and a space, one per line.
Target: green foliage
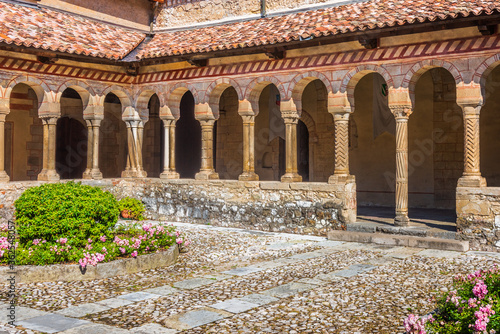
70, 210
134, 208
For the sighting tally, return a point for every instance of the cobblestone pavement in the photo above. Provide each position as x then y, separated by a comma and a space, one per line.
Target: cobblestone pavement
237, 281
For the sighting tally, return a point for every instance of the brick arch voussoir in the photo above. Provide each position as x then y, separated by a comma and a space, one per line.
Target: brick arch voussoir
218, 86
40, 87
121, 93
485, 68
254, 89
310, 124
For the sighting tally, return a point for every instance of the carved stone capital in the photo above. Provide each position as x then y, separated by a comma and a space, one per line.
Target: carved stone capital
401, 111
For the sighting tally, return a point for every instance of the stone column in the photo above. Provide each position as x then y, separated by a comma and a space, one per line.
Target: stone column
135, 128
472, 173
4, 177
341, 172
248, 150
291, 174
92, 171
169, 150
402, 114
207, 171
48, 172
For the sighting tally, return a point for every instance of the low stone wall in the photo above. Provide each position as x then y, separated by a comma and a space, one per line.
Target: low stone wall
478, 217
71, 272
308, 208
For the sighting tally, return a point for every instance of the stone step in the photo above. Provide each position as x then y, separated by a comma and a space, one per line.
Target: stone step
417, 231
399, 240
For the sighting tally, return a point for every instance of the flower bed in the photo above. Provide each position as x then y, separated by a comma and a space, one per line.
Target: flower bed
472, 306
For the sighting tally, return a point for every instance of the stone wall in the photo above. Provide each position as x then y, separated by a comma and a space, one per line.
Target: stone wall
186, 12
478, 217
308, 208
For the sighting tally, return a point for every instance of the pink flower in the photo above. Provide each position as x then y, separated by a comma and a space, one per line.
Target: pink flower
134, 254
103, 238
89, 240
36, 241
480, 289
62, 241
122, 250
415, 325
179, 240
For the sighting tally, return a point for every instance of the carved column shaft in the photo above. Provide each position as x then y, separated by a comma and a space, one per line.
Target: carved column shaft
402, 114
207, 170
90, 150
341, 144
169, 150
291, 151
48, 172
248, 150
3, 175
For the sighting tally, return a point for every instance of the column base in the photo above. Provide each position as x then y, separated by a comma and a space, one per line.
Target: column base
48, 175
169, 175
206, 175
291, 177
96, 174
248, 176
341, 179
87, 174
4, 177
134, 174
473, 181
401, 219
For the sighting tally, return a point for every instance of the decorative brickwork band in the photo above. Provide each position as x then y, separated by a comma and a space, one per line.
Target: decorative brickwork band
248, 150
341, 144
207, 171
169, 150
292, 174
401, 113
48, 172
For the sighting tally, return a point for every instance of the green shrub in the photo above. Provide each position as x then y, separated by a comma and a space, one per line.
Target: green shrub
71, 210
134, 208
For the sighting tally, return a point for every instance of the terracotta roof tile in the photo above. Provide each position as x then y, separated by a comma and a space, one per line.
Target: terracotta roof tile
57, 31
315, 23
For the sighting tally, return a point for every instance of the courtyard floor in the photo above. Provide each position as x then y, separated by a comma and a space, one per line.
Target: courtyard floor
237, 281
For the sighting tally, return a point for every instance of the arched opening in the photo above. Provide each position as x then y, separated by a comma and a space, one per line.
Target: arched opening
303, 151
372, 144
490, 129
187, 139
228, 131
153, 139
270, 136
435, 143
23, 135
71, 137
112, 139
319, 128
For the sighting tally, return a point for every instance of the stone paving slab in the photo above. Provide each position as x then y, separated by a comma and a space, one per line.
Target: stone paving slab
380, 261
234, 305
275, 263
52, 323
242, 271
315, 281
162, 290
354, 270
439, 253
329, 243
22, 313
484, 254
259, 299
95, 329
114, 302
196, 318
286, 290
82, 310
402, 252
307, 256
330, 277
280, 245
152, 329
139, 296
218, 277
193, 283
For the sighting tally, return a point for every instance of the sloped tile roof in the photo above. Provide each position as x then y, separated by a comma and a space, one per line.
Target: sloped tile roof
312, 24
57, 31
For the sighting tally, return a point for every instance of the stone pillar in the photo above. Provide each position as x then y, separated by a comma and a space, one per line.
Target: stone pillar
4, 177
248, 150
402, 113
92, 171
472, 173
341, 172
48, 172
135, 128
169, 150
291, 174
207, 171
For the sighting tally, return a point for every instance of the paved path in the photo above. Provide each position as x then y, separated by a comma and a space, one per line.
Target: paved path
237, 281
